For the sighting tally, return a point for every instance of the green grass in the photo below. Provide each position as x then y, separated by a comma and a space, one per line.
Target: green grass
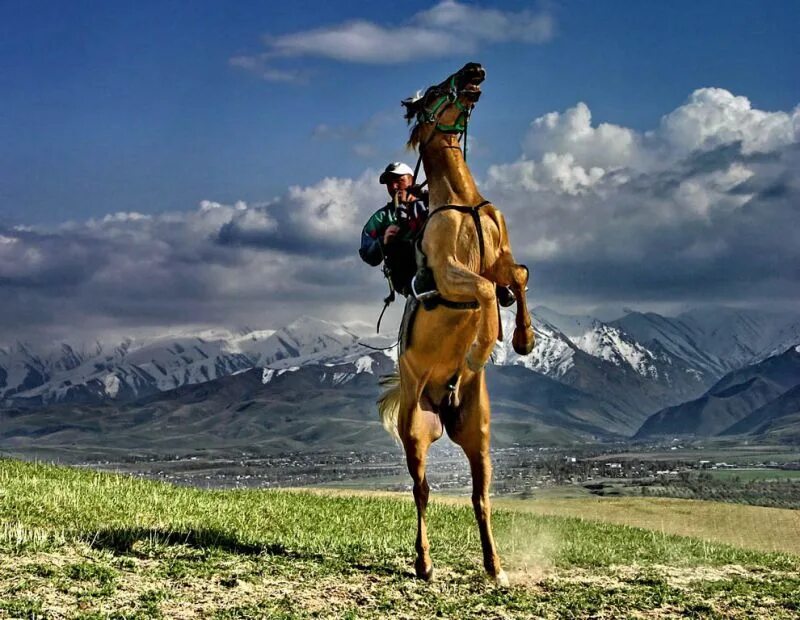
746, 475
76, 543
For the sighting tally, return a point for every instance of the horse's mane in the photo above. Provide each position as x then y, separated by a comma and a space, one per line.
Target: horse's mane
413, 138
412, 106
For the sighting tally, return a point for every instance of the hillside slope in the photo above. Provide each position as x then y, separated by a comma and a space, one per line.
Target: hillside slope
306, 409
733, 398
779, 418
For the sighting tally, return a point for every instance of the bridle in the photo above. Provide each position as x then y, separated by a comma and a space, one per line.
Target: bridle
445, 97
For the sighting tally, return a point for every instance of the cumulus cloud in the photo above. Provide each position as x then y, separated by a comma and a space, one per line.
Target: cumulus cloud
315, 220
446, 29
571, 133
710, 118
713, 117
220, 264
703, 207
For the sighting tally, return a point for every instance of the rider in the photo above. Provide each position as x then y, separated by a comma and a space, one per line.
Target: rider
390, 233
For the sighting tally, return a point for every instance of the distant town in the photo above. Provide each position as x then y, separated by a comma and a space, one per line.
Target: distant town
741, 473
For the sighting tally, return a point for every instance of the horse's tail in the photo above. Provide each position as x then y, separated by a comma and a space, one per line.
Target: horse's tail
389, 403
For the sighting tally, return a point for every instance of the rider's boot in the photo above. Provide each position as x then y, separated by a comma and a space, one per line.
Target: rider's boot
505, 296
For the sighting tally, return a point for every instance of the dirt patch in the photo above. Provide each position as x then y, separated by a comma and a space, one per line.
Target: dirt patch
182, 583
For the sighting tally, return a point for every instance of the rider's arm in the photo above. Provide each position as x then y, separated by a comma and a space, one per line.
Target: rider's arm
370, 250
371, 235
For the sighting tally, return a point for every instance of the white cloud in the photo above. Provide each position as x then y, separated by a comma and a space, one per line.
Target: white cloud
472, 22
333, 208
602, 216
447, 28
693, 209
604, 146
713, 117
365, 42
555, 171
258, 65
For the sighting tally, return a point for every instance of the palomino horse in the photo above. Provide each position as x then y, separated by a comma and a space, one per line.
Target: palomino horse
441, 382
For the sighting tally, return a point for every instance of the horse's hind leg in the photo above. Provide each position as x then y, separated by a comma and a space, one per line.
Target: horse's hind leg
416, 456
418, 427
473, 435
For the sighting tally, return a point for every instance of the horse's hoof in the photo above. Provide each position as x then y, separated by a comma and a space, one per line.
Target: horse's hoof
523, 340
501, 579
424, 573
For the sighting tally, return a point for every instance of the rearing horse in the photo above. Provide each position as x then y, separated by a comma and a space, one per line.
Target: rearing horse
442, 384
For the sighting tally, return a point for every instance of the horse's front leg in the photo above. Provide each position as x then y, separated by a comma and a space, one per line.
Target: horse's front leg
524, 338
456, 282
508, 273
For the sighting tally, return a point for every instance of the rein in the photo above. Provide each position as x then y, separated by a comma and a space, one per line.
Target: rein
460, 127
432, 114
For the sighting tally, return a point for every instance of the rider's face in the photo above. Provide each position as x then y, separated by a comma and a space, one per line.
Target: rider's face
395, 183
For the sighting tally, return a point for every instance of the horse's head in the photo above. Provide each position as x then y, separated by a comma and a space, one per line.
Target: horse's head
445, 107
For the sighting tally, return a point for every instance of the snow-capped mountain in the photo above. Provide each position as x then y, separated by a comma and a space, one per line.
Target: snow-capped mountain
714, 340
746, 400
23, 368
552, 353
637, 364
305, 340
129, 369
136, 368
559, 337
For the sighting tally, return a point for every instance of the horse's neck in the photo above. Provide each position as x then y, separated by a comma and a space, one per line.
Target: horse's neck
449, 179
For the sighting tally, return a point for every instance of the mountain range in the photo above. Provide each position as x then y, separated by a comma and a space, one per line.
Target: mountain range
585, 380
759, 399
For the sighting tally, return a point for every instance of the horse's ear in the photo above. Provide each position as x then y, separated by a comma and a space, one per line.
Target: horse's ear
412, 105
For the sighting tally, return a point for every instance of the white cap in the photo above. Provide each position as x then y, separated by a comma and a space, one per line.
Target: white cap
396, 168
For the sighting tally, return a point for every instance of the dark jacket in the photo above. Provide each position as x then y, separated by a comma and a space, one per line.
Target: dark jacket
399, 254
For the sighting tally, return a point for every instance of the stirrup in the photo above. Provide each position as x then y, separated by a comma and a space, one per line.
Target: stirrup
424, 294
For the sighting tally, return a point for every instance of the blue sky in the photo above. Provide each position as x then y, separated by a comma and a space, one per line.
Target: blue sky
202, 163
134, 106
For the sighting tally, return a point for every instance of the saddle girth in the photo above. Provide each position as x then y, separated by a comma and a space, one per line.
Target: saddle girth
474, 212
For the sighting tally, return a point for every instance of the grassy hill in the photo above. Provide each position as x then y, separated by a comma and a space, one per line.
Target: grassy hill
80, 544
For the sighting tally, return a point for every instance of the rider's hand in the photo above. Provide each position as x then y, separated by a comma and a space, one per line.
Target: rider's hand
406, 195
390, 234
